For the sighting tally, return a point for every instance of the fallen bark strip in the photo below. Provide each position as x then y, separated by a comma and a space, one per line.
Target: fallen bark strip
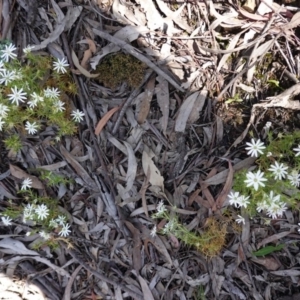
131, 50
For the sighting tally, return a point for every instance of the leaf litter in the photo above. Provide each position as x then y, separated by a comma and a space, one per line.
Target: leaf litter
173, 139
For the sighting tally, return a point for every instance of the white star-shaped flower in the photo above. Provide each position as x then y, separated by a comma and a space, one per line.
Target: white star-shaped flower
53, 223
32, 103
255, 179
255, 148
61, 220
278, 170
161, 207
268, 125
52, 93
294, 178
169, 227
8, 53
35, 98
26, 184
28, 212
45, 235
244, 201
234, 198
7, 77
6, 220
17, 95
262, 205
153, 231
31, 128
240, 219
77, 115
28, 49
1, 124
59, 106
65, 230
60, 65
42, 211
297, 150
273, 198
3, 110
276, 210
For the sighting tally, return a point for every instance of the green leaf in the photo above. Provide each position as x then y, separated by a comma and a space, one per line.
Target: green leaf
275, 82
231, 100
267, 250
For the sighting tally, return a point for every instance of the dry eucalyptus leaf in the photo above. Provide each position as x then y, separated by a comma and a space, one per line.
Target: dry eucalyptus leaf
132, 167
150, 170
20, 174
154, 18
185, 111
163, 99
11, 246
82, 70
72, 15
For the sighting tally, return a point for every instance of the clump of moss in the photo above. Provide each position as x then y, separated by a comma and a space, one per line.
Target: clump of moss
118, 68
213, 238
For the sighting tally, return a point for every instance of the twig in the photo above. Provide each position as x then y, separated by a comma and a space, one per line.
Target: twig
130, 292
131, 50
284, 56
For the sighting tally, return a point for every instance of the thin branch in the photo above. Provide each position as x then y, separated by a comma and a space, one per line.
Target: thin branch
134, 52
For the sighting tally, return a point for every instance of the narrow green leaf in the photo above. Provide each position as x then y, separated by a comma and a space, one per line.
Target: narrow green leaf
267, 250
